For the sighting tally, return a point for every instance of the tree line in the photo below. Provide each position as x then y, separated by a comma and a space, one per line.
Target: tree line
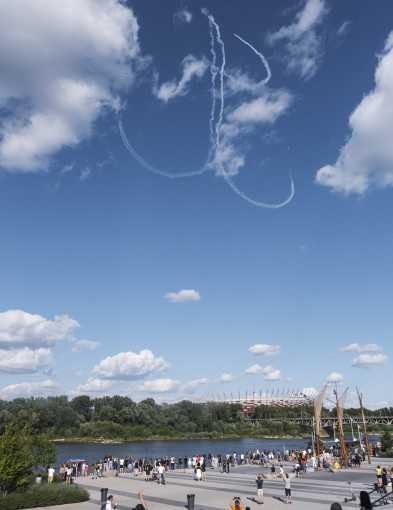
119, 417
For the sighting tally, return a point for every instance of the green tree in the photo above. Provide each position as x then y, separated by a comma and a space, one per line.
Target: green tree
386, 441
16, 461
43, 450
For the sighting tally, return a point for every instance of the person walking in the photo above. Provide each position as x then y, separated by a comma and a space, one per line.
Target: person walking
109, 501
288, 495
259, 481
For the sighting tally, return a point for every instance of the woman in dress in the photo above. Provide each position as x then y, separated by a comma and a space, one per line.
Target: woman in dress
198, 472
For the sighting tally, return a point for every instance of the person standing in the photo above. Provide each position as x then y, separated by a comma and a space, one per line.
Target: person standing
161, 471
259, 481
288, 495
51, 473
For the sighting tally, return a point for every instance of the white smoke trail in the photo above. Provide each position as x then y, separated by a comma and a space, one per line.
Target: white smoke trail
241, 194
222, 70
155, 170
213, 129
265, 63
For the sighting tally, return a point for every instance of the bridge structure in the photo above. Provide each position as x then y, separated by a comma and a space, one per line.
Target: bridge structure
330, 421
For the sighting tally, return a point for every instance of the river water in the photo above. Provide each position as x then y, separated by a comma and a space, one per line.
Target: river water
156, 449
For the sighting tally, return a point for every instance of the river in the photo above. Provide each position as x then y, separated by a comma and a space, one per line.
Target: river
156, 449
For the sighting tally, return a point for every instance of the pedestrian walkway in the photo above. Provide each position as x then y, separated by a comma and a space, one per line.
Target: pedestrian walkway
314, 491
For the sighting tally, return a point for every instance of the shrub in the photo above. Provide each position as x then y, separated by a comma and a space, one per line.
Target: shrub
387, 455
43, 495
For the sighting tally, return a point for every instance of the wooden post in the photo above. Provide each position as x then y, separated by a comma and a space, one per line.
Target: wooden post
316, 430
364, 425
340, 428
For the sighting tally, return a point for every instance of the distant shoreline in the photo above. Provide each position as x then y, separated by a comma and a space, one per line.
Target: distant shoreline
164, 438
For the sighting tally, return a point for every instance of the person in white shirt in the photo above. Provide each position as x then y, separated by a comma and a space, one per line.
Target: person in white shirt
51, 473
161, 471
109, 502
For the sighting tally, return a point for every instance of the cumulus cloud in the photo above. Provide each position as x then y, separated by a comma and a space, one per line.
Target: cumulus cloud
273, 375
309, 391
366, 160
262, 109
192, 386
129, 365
20, 329
225, 378
355, 347
24, 361
303, 47
265, 350
85, 344
335, 377
369, 360
182, 17
192, 68
183, 296
95, 386
160, 386
27, 389
65, 64
254, 369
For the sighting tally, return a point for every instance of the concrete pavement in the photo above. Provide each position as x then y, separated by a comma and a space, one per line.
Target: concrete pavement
315, 491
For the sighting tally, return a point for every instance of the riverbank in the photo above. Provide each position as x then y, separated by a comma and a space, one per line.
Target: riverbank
195, 437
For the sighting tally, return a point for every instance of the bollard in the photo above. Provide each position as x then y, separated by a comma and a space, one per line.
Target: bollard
190, 501
104, 495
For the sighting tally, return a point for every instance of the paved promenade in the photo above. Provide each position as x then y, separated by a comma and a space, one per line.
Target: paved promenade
315, 491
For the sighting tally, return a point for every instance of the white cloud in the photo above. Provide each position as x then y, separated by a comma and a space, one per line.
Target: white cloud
183, 296
19, 329
273, 375
26, 389
254, 369
94, 386
335, 377
309, 391
129, 365
265, 350
24, 361
78, 373
182, 17
192, 386
268, 369
369, 360
85, 344
262, 109
289, 379
366, 160
355, 347
304, 45
225, 378
192, 67
160, 386
66, 63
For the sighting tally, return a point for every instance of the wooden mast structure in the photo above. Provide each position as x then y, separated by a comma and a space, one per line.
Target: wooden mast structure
316, 423
318, 403
340, 428
364, 425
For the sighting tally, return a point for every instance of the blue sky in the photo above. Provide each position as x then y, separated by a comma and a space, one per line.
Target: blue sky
267, 266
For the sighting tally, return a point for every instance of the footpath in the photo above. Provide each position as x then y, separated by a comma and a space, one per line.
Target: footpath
313, 491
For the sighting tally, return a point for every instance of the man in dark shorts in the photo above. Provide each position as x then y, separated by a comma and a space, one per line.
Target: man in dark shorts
259, 481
